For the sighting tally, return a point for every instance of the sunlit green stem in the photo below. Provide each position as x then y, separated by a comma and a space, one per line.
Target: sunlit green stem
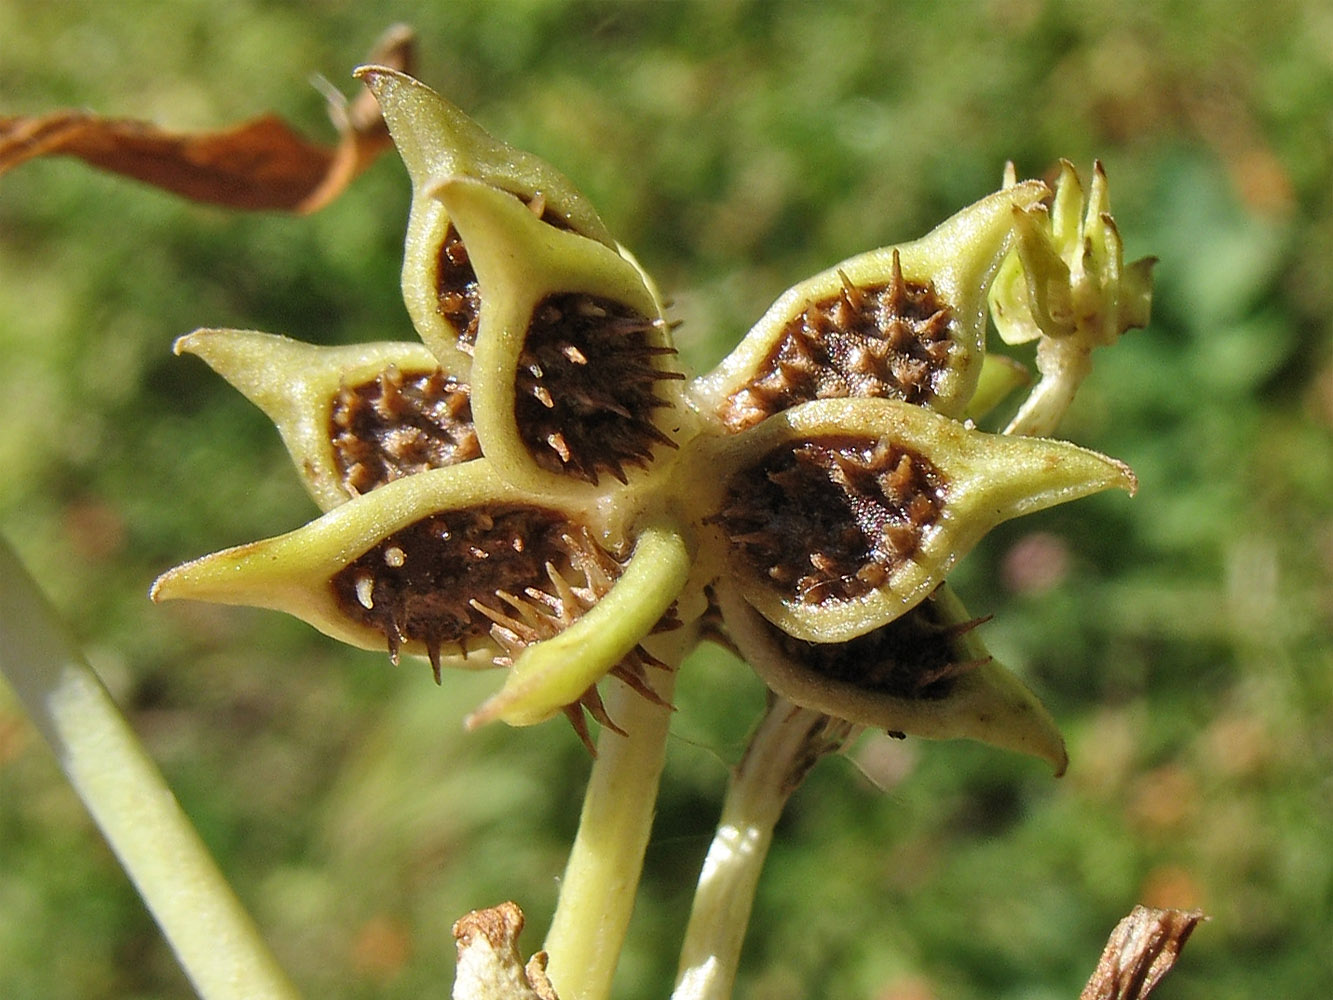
213, 937
781, 752
1064, 363
602, 874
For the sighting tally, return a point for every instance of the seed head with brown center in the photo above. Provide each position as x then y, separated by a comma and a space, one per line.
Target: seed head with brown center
542, 489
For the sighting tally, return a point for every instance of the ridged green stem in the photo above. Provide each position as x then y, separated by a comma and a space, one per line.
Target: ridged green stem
213, 937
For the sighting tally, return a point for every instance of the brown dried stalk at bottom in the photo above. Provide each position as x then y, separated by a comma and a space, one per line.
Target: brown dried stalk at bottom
489, 961
1141, 950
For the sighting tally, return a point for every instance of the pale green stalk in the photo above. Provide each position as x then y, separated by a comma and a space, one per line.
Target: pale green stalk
1064, 363
602, 875
781, 752
213, 937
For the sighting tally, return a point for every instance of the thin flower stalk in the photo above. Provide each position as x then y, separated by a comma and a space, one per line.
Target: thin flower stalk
601, 878
213, 937
781, 752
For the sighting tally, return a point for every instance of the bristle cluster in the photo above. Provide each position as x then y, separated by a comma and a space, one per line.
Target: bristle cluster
417, 584
832, 519
520, 620
517, 574
890, 340
399, 424
588, 382
917, 655
457, 293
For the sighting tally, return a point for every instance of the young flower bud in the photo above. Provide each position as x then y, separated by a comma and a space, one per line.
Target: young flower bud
436, 140
1066, 275
353, 418
841, 514
905, 322
571, 367
924, 674
1065, 285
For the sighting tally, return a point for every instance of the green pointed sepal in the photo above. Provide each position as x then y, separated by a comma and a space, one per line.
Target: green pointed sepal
842, 514
1066, 276
1000, 375
340, 410
904, 322
572, 376
554, 673
437, 140
328, 573
960, 692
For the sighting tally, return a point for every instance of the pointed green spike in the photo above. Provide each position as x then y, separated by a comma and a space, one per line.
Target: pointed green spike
979, 480
297, 385
1069, 214
437, 140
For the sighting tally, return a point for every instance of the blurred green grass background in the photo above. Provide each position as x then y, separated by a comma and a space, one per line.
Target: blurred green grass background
1181, 638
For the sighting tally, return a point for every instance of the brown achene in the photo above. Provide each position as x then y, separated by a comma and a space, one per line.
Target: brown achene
458, 296
450, 579
587, 385
917, 655
398, 424
457, 292
889, 341
832, 518
423, 582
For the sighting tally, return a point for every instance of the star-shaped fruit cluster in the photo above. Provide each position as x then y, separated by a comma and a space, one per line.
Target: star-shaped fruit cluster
538, 486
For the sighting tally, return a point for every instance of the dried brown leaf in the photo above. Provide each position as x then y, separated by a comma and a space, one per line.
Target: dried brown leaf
1140, 951
261, 164
489, 966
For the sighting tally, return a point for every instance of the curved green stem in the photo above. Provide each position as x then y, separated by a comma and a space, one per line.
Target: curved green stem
1064, 363
213, 937
602, 874
788, 742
